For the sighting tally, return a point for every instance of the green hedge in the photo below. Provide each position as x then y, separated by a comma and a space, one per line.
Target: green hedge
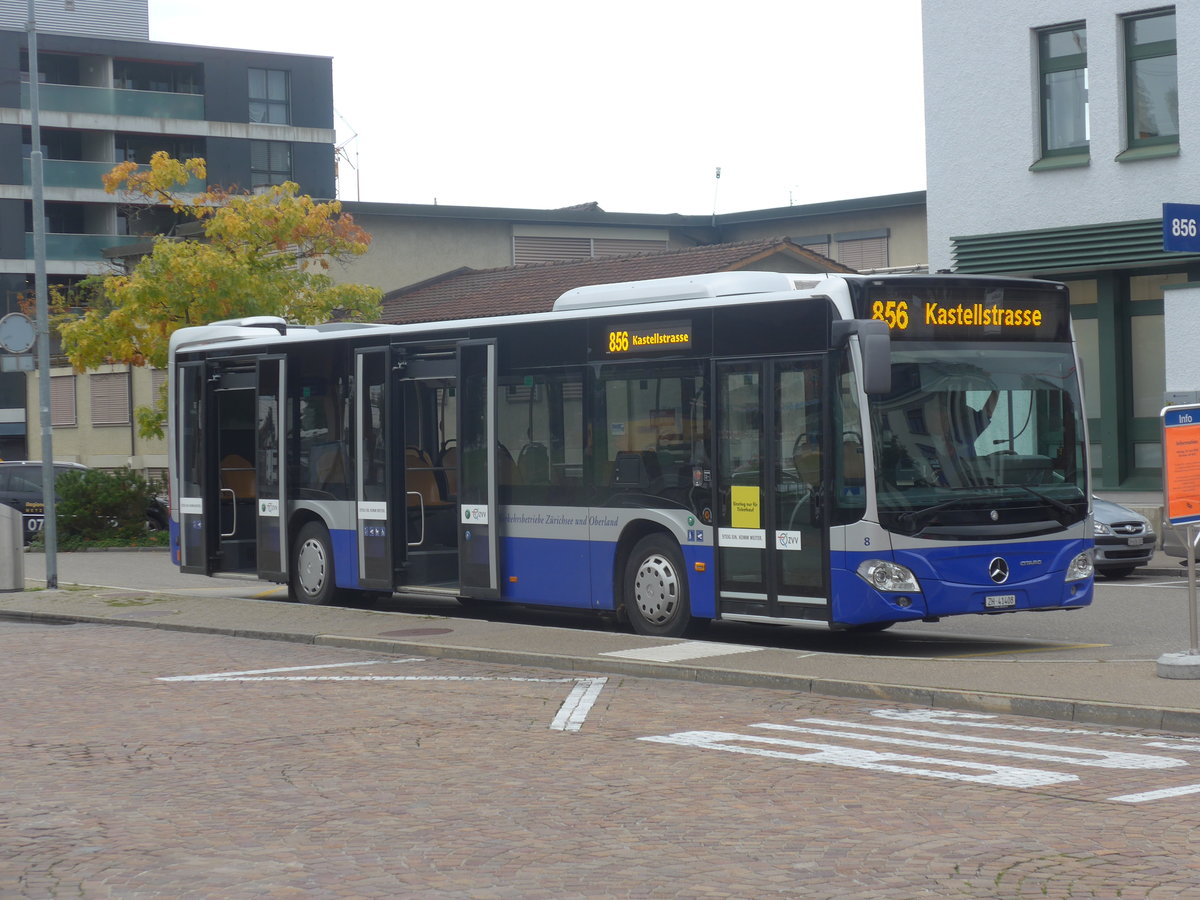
99, 504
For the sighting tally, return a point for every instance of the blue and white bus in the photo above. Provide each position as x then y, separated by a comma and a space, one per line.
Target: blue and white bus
751, 446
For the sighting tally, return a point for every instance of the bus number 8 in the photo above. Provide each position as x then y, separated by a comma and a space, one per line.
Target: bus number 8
894, 312
618, 341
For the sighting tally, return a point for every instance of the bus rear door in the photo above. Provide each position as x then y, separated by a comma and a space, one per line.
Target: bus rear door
231, 448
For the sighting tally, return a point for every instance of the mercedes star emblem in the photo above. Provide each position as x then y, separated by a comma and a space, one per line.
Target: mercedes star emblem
998, 570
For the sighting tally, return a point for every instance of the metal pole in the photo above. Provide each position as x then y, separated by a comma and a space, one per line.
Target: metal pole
1193, 534
49, 523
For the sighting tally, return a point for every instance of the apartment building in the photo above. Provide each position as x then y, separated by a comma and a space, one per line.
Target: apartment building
108, 94
1052, 147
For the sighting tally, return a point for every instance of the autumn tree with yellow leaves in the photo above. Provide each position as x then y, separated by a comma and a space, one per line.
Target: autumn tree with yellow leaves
266, 253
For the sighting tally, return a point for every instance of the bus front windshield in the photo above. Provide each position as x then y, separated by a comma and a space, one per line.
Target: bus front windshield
968, 430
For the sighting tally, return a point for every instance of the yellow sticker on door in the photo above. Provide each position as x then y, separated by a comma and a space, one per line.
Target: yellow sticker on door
745, 502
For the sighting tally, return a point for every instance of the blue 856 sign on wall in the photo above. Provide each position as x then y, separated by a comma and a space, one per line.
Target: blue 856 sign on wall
1181, 227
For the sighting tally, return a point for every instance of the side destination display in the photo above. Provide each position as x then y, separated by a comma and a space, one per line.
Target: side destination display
961, 313
626, 339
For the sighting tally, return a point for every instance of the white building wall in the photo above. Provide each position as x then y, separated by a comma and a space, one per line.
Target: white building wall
982, 122
1181, 308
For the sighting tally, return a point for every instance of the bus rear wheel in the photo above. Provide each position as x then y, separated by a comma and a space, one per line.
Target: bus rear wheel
312, 578
655, 589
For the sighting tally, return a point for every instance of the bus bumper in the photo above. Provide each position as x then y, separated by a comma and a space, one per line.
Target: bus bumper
1035, 581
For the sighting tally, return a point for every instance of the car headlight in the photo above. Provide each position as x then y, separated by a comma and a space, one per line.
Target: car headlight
888, 576
1081, 567
1101, 528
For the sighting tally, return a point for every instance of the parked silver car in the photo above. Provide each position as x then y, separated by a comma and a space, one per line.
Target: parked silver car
1124, 539
1174, 537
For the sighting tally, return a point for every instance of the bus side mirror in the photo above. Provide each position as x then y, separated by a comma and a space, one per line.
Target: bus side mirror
875, 346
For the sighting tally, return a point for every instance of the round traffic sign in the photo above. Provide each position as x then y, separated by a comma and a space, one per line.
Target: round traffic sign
17, 333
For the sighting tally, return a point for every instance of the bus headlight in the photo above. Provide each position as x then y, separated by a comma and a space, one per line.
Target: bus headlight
888, 576
1081, 567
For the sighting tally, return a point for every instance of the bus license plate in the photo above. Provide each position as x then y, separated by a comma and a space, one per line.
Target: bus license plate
1000, 601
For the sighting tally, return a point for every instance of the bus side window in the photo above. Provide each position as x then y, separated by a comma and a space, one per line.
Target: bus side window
653, 433
541, 433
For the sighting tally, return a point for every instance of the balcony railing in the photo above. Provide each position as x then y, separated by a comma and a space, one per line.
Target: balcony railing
81, 247
113, 102
69, 173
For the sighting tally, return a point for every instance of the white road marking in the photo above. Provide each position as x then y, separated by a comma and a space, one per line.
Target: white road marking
824, 741
233, 676
574, 711
986, 720
1163, 794
570, 717
680, 652
857, 758
939, 740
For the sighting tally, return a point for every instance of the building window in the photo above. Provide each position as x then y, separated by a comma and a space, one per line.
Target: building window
1151, 81
269, 96
1062, 63
270, 163
62, 401
110, 398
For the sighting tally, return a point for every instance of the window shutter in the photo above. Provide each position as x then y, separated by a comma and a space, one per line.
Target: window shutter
527, 250
62, 401
619, 247
110, 398
864, 253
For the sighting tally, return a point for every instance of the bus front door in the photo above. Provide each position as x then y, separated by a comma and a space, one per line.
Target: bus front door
771, 535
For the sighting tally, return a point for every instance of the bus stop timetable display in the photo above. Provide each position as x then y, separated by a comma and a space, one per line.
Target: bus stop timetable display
1181, 463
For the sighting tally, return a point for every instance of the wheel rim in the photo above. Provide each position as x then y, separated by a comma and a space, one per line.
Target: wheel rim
313, 567
656, 589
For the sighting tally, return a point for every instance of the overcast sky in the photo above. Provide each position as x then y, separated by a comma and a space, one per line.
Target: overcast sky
629, 103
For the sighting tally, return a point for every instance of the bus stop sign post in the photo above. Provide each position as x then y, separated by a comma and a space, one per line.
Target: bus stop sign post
1181, 499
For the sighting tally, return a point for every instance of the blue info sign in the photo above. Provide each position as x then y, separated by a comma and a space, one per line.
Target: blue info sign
1181, 227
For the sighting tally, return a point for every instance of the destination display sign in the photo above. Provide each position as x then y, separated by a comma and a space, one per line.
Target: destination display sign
639, 338
1017, 314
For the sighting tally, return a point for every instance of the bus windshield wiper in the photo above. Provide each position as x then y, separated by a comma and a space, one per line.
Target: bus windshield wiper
911, 517
1065, 512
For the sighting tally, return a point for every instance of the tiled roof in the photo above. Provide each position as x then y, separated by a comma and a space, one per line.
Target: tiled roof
470, 293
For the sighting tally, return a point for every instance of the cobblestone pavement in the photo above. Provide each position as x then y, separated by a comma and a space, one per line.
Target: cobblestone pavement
463, 781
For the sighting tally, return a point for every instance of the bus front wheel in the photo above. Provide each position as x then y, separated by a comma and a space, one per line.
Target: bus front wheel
656, 589
312, 578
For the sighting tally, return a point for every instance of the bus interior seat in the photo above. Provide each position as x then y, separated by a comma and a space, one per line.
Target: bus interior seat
854, 466
506, 469
807, 459
533, 463
420, 481
447, 464
237, 475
